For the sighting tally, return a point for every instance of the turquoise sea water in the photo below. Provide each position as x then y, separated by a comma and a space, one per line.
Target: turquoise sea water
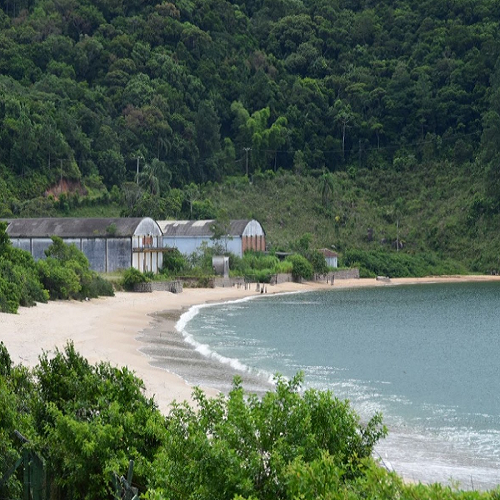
426, 356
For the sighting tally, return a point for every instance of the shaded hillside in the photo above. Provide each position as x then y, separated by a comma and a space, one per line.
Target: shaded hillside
140, 103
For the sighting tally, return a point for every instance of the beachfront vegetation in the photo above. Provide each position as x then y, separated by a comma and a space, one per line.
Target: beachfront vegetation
132, 277
254, 266
64, 274
400, 264
88, 421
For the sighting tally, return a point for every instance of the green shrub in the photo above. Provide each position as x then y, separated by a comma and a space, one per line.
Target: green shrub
61, 282
174, 262
18, 268
131, 277
259, 275
99, 287
399, 264
285, 266
318, 262
10, 296
258, 260
66, 273
92, 420
302, 268
244, 445
19, 281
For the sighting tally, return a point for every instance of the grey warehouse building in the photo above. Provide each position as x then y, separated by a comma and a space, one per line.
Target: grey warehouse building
110, 244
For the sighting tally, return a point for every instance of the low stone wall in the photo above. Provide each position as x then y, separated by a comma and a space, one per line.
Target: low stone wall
276, 279
343, 274
205, 282
228, 282
282, 278
159, 286
346, 274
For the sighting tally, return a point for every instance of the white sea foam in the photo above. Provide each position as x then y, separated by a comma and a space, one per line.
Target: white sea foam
206, 351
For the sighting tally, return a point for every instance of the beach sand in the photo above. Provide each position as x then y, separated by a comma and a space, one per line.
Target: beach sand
109, 329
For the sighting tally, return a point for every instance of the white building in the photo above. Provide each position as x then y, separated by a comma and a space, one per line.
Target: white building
188, 235
330, 257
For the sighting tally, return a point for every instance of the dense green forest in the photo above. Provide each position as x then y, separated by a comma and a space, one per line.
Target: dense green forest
372, 117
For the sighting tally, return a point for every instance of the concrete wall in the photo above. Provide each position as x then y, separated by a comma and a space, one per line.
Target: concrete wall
159, 286
38, 247
95, 251
104, 254
119, 254
347, 274
331, 261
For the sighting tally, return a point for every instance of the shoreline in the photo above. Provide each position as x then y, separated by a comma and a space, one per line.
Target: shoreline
110, 329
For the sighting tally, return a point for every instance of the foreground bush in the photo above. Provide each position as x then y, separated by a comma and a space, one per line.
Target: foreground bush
88, 421
243, 445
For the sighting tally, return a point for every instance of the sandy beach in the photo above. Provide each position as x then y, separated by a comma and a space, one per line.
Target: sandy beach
107, 329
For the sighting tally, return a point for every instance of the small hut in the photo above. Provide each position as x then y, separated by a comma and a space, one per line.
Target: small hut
330, 257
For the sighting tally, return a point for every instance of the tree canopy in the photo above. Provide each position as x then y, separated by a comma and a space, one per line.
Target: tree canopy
91, 89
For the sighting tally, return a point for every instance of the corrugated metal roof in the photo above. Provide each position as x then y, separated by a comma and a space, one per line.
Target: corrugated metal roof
327, 252
200, 228
67, 227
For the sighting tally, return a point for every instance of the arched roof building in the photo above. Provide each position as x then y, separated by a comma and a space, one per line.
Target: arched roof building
188, 235
109, 244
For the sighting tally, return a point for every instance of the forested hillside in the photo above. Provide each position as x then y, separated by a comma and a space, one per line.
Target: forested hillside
96, 95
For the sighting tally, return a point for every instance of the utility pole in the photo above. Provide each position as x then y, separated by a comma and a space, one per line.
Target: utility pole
397, 234
137, 175
246, 151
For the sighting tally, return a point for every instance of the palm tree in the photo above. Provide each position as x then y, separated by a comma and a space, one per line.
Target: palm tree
326, 185
154, 176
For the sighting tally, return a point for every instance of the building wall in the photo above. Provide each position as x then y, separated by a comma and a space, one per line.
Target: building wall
95, 251
38, 247
255, 242
144, 256
185, 245
104, 254
189, 244
331, 261
118, 254
253, 237
22, 243
236, 245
